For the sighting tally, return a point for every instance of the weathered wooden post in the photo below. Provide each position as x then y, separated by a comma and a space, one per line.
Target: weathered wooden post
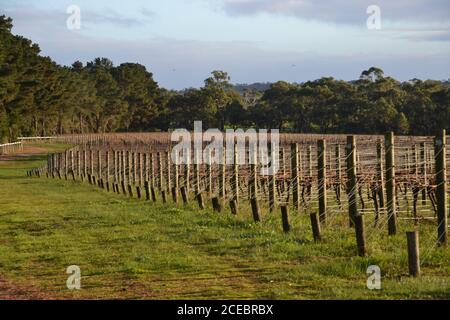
295, 177
423, 170
441, 187
216, 204
322, 177
360, 235
337, 155
201, 205
209, 173
315, 226
99, 167
285, 218
254, 188
160, 171
184, 194
235, 184
222, 175
272, 181
175, 180
91, 162
168, 172
352, 184
413, 253
152, 177
233, 207
187, 173
390, 183
107, 177
380, 177
78, 163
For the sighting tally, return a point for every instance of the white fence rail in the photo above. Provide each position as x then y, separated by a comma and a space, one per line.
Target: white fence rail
11, 147
34, 138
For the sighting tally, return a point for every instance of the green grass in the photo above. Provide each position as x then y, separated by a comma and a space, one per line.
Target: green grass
130, 248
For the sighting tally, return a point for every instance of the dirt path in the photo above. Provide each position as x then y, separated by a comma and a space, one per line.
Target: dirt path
27, 152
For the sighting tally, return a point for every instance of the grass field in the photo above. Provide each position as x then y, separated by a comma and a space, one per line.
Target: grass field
127, 248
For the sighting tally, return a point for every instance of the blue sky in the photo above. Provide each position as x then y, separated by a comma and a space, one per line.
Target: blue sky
182, 41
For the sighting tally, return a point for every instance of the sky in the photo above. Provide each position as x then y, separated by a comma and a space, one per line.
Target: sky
182, 41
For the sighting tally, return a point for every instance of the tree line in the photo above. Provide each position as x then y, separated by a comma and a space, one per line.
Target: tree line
40, 97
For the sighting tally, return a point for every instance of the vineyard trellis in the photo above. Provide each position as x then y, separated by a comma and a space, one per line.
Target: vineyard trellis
394, 179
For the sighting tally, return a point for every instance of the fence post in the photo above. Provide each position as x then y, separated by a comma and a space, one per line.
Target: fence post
413, 253
423, 170
222, 175
295, 177
315, 225
235, 183
321, 177
272, 181
338, 171
175, 180
390, 183
285, 218
441, 188
380, 177
360, 235
352, 183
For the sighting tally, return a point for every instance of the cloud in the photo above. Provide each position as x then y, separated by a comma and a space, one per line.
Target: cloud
26, 15
344, 11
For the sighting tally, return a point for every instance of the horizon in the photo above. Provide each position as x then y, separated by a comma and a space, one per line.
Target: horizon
255, 41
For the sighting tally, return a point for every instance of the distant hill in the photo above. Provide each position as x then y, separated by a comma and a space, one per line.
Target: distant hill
258, 86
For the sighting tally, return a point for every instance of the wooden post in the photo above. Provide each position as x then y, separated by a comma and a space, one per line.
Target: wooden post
441, 187
285, 218
352, 184
209, 178
78, 163
130, 167
413, 253
200, 201
99, 164
295, 177
216, 204
322, 177
255, 210
390, 183
315, 226
197, 172
141, 169
222, 175
168, 172
91, 161
423, 171
160, 172
360, 235
272, 182
337, 155
107, 170
380, 177
134, 166
85, 165
152, 170
233, 207
147, 190
175, 180
187, 174
184, 194
235, 184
